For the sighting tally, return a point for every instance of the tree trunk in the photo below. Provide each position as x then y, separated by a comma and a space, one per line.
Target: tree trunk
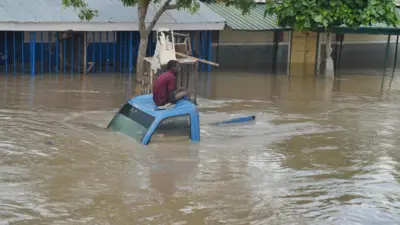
141, 54
329, 70
141, 75
142, 12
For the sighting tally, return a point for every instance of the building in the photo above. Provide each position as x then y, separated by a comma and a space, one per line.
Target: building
255, 42
366, 50
43, 37
249, 42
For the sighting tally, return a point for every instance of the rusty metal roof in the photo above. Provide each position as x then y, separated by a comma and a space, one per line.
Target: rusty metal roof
52, 11
255, 21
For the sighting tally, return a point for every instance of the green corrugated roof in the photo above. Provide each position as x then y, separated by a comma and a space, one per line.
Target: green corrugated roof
255, 21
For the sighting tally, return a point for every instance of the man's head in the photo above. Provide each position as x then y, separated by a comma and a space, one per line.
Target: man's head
173, 66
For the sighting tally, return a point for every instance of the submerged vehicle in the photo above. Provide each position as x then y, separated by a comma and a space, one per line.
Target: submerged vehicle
139, 118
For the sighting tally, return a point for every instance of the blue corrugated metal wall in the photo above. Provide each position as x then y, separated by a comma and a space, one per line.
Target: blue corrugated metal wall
32, 52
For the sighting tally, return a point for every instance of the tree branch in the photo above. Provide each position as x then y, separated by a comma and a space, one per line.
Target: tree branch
164, 7
171, 7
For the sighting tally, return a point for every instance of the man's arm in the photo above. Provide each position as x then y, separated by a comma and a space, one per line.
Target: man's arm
171, 88
180, 89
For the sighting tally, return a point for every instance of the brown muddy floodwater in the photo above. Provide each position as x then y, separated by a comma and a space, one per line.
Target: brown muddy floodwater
320, 152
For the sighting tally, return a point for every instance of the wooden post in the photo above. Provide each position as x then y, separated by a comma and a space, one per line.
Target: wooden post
395, 62
317, 55
385, 61
289, 53
341, 36
23, 52
61, 52
85, 52
151, 79
275, 51
61, 58
6, 52
196, 74
386, 54
217, 53
57, 53
14, 54
395, 55
32, 53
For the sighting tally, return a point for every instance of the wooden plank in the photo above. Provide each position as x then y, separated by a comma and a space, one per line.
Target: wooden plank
197, 59
181, 48
181, 34
91, 65
196, 74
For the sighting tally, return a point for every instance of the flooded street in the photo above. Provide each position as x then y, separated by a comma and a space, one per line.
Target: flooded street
320, 152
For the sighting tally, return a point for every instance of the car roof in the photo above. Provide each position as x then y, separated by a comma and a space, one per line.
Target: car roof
146, 104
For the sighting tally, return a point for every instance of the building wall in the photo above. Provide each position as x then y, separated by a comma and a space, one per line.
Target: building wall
245, 50
238, 50
362, 51
233, 36
358, 38
366, 52
110, 51
47, 41
97, 37
368, 56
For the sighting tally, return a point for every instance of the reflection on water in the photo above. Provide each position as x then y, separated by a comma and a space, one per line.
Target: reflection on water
320, 152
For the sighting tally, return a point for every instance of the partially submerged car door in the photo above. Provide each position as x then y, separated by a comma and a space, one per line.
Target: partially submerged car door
171, 129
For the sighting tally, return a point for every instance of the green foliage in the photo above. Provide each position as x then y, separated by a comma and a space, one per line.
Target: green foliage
309, 15
86, 13
244, 5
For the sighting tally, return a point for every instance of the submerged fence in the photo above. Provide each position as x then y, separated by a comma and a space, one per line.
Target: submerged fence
23, 52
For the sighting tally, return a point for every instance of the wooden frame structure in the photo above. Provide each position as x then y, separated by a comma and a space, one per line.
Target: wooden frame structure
188, 77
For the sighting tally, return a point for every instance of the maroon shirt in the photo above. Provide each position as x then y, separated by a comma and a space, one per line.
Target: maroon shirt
164, 84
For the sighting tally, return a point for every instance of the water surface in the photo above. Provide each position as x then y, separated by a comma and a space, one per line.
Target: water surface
320, 152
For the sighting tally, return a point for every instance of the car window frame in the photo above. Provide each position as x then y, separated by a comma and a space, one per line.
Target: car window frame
190, 125
147, 129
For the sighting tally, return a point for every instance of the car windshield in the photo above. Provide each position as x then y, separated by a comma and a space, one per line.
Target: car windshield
131, 121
